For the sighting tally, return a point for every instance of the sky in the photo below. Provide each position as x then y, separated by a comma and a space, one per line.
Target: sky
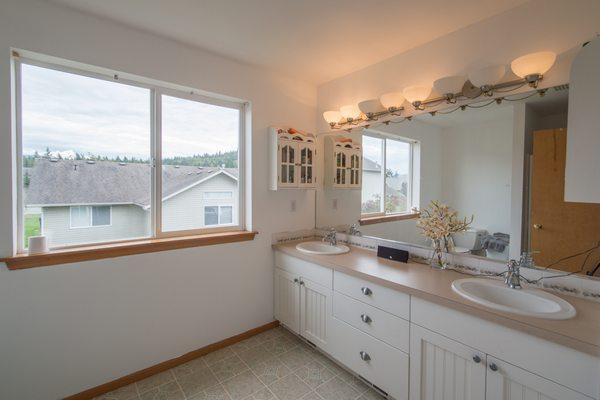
398, 153
64, 111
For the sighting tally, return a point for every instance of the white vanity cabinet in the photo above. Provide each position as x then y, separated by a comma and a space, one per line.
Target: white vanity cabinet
343, 163
292, 157
303, 298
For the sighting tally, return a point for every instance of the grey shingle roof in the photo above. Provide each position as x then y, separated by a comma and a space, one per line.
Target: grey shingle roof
105, 182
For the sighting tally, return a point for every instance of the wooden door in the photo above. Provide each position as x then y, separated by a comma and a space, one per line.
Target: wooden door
339, 168
315, 311
287, 299
355, 169
508, 382
441, 368
558, 228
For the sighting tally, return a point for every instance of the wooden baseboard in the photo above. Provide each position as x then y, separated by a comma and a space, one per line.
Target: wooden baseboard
165, 365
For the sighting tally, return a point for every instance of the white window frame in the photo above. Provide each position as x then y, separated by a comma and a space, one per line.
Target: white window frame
219, 207
410, 195
156, 90
91, 216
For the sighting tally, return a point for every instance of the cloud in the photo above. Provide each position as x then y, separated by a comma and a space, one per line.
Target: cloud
65, 111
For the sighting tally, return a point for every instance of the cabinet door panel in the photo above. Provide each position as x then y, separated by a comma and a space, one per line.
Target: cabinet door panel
509, 382
441, 368
287, 158
315, 312
306, 165
287, 299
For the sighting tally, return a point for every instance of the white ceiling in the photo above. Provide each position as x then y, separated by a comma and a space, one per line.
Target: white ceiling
314, 40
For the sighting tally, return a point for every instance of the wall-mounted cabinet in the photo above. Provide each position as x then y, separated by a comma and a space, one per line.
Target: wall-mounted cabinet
292, 156
343, 163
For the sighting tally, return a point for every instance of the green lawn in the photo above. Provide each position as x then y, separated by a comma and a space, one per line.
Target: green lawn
32, 226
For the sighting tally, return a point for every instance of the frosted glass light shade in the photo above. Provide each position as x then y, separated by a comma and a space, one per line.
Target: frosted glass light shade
392, 100
332, 117
416, 93
370, 106
350, 111
450, 84
533, 64
488, 75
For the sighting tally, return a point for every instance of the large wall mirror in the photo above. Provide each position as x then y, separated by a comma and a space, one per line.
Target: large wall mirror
503, 164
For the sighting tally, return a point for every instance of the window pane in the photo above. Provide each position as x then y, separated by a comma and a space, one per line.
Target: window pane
396, 176
211, 215
101, 215
226, 215
85, 141
80, 216
199, 151
372, 174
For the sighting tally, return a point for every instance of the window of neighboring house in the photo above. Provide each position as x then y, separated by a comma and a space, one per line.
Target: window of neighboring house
387, 176
218, 215
217, 195
86, 137
88, 216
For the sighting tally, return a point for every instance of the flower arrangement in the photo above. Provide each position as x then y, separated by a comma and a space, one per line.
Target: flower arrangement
437, 222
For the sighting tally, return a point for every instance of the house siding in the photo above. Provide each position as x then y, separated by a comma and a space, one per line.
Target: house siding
127, 221
186, 210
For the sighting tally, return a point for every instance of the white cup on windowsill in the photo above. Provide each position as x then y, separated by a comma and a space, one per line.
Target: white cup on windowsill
38, 244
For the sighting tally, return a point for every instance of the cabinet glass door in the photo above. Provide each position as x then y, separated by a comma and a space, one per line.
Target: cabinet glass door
339, 178
306, 165
287, 161
354, 170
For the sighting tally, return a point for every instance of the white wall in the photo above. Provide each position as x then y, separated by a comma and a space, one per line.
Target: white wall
69, 327
477, 168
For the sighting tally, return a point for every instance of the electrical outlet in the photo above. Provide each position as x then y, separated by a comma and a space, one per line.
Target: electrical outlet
293, 206
335, 204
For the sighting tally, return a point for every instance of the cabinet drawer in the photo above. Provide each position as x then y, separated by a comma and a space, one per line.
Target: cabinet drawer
383, 365
378, 323
387, 299
316, 273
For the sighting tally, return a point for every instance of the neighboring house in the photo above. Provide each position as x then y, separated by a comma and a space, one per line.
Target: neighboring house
84, 202
372, 183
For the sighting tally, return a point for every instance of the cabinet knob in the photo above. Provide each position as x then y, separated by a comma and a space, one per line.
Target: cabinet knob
366, 291
364, 356
477, 359
537, 226
366, 319
296, 280
301, 283
493, 367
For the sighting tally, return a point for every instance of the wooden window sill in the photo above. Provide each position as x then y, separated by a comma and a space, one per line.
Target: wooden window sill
387, 218
97, 252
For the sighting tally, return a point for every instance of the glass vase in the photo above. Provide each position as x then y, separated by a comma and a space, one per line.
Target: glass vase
438, 256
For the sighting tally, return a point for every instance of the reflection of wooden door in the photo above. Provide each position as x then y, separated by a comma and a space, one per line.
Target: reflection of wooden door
558, 228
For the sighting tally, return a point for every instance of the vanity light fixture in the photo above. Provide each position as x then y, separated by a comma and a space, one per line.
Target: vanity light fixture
371, 108
486, 78
532, 67
416, 95
332, 117
450, 87
350, 112
392, 101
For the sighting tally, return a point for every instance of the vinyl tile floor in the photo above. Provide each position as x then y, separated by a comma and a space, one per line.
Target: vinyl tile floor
273, 365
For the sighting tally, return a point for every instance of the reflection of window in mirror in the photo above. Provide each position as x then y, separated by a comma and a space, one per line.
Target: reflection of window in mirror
387, 176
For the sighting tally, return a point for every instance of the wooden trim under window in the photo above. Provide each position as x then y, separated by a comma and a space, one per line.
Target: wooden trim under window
378, 219
100, 251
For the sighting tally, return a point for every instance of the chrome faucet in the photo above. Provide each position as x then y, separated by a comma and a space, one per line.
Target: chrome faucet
331, 237
354, 230
513, 275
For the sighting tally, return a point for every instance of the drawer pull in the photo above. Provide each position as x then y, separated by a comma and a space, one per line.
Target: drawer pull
477, 359
493, 367
366, 291
366, 319
364, 356
296, 280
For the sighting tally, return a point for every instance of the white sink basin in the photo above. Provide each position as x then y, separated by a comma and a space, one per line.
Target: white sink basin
321, 248
529, 302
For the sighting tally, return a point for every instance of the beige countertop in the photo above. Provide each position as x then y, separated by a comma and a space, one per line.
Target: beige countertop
581, 332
